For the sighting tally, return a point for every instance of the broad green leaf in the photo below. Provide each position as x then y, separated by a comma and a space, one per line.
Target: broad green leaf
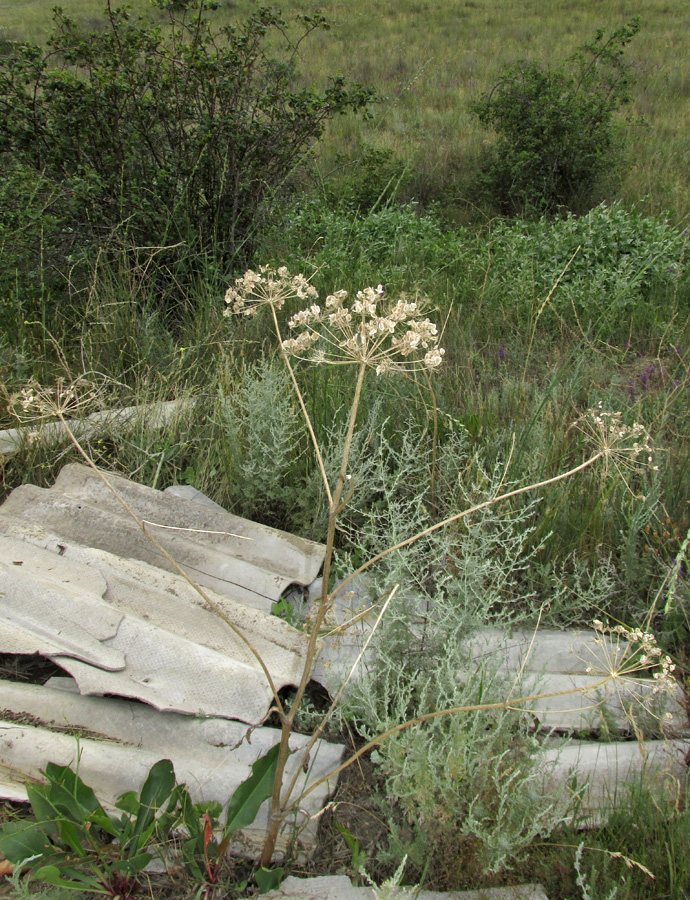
73, 837
245, 802
101, 819
43, 807
23, 840
158, 786
82, 794
56, 800
79, 880
268, 879
128, 802
132, 865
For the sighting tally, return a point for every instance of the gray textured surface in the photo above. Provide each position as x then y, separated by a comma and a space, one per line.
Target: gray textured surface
239, 559
150, 416
339, 887
606, 772
212, 756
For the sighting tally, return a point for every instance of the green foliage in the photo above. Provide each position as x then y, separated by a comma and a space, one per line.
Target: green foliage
620, 276
74, 844
156, 136
259, 458
268, 879
207, 838
366, 181
556, 131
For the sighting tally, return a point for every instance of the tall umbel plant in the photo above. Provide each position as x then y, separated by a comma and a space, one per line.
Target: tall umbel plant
387, 336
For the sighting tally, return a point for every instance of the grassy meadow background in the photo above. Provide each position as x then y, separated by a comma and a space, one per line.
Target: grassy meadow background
429, 60
542, 319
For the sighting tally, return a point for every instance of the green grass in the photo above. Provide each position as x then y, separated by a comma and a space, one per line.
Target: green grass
429, 60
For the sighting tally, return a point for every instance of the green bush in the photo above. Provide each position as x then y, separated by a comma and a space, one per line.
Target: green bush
161, 135
557, 137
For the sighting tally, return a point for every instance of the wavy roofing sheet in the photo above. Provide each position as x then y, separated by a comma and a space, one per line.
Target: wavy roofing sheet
80, 584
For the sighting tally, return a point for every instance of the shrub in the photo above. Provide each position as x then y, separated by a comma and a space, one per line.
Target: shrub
180, 134
557, 136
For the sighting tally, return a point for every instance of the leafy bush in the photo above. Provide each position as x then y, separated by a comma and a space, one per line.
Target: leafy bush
556, 132
164, 135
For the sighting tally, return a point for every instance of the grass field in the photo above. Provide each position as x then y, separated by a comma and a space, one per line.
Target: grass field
430, 60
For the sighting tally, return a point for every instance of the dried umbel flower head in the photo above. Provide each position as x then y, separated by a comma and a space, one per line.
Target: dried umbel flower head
267, 287
37, 401
386, 335
634, 652
627, 448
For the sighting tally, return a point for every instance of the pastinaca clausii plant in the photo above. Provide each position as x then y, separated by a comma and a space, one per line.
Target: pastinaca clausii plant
385, 335
382, 335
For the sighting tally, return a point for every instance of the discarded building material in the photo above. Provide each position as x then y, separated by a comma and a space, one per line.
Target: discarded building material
123, 627
81, 584
124, 739
605, 772
155, 415
249, 563
571, 665
339, 887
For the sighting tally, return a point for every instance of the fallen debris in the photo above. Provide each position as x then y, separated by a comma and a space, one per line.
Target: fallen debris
81, 585
339, 887
156, 416
211, 755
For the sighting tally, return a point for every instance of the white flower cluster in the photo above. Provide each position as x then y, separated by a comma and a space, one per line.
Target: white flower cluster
266, 287
388, 336
641, 654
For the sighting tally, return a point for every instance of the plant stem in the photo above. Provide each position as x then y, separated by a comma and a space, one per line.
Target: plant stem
457, 516
278, 802
303, 407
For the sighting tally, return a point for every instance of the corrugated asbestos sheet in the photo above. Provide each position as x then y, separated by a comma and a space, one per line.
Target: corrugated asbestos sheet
81, 585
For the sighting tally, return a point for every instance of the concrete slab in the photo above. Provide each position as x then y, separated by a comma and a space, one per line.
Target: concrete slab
568, 652
608, 770
623, 704
244, 561
152, 415
151, 630
188, 492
